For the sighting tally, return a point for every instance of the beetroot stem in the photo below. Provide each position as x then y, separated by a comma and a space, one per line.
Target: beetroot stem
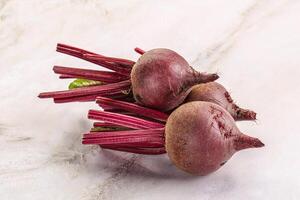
75, 99
123, 112
131, 107
104, 124
79, 53
92, 90
139, 141
123, 120
142, 132
140, 51
104, 76
145, 151
121, 61
64, 76
85, 98
75, 48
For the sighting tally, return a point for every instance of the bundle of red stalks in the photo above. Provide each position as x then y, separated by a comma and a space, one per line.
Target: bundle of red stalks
157, 105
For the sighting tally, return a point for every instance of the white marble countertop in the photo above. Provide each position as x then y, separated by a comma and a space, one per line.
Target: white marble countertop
253, 44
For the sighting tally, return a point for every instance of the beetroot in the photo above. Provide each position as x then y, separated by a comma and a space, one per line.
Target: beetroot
202, 136
199, 137
216, 93
160, 79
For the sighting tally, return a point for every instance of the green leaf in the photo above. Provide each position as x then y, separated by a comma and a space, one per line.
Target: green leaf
78, 83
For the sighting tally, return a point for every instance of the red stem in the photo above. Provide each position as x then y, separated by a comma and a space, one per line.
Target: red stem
79, 53
64, 76
111, 134
92, 90
140, 51
148, 141
121, 61
121, 112
107, 107
144, 151
104, 124
139, 141
60, 45
131, 107
86, 98
105, 76
75, 99
123, 120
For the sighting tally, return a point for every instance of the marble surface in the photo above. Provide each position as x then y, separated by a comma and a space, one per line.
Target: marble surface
253, 44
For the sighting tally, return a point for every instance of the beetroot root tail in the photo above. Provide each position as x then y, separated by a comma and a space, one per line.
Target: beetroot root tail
206, 77
245, 114
244, 142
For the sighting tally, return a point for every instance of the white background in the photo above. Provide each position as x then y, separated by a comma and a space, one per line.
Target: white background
253, 44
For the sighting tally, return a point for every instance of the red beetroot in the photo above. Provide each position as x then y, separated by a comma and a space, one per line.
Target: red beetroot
160, 79
216, 93
202, 136
199, 137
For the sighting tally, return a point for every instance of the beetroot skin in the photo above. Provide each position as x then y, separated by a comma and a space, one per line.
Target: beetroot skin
216, 93
202, 136
162, 79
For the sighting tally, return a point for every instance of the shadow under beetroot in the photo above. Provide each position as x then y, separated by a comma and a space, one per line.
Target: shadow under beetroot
154, 167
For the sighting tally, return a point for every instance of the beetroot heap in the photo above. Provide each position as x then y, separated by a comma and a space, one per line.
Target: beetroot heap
157, 105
